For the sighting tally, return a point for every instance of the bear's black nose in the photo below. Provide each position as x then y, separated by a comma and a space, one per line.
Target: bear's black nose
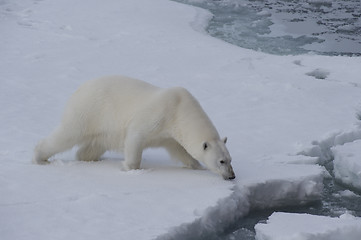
232, 177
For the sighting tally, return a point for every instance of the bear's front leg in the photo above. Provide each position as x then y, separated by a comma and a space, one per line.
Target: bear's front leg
194, 164
132, 154
178, 152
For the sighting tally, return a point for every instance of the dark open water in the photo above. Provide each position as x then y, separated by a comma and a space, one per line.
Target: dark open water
285, 27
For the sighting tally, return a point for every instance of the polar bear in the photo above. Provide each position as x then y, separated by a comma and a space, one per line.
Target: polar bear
128, 115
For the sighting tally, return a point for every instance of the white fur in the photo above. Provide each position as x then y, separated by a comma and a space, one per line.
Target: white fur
128, 115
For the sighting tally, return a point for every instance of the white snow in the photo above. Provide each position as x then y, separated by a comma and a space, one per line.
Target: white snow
289, 226
319, 73
268, 106
347, 163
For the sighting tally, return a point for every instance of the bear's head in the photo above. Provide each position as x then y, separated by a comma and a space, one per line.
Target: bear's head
217, 158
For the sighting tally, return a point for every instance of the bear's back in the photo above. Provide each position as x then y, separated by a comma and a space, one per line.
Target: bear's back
107, 100
118, 85
113, 90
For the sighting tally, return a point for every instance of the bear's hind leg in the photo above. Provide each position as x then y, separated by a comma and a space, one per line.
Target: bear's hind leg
55, 143
179, 153
90, 152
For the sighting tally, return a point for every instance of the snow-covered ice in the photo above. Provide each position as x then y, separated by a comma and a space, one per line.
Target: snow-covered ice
269, 107
347, 163
290, 226
91, 201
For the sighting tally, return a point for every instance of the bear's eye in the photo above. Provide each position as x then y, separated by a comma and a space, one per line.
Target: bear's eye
222, 162
205, 146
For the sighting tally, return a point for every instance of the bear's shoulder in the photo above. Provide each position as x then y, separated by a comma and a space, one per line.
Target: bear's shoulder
179, 93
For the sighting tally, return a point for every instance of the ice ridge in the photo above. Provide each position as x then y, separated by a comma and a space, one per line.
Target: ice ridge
244, 199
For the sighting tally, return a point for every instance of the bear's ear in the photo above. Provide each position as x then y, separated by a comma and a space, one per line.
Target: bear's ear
205, 146
224, 140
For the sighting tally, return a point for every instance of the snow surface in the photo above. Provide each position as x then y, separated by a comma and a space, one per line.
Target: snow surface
290, 226
347, 163
270, 108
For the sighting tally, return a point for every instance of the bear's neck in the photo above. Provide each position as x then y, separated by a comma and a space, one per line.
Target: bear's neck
192, 127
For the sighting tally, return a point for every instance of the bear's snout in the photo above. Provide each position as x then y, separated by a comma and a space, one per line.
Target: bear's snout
232, 177
230, 174
229, 177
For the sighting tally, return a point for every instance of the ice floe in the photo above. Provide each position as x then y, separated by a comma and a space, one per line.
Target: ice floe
347, 163
290, 226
